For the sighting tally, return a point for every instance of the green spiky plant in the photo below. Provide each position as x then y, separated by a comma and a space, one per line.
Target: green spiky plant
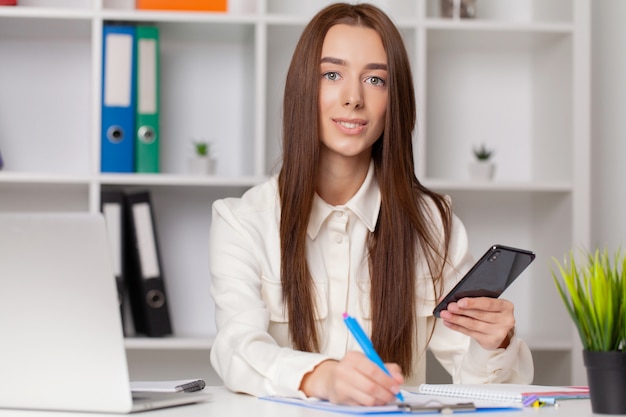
594, 294
202, 148
482, 153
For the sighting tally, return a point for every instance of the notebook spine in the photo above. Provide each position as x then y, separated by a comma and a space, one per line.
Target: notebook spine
471, 393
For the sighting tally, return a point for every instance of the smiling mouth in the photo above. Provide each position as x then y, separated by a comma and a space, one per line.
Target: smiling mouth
350, 125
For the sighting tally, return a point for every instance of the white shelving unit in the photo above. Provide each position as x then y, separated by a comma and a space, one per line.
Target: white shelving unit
516, 78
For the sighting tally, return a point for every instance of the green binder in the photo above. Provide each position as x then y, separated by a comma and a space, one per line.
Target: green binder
147, 111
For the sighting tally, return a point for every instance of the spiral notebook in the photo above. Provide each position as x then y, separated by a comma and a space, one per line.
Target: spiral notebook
510, 393
413, 404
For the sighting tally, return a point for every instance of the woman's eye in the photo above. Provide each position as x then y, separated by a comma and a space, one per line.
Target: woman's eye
332, 76
377, 81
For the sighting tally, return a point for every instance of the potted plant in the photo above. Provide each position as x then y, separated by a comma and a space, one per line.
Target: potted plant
594, 294
482, 168
202, 163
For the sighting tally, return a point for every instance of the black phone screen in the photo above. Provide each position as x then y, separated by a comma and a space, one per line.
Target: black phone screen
490, 276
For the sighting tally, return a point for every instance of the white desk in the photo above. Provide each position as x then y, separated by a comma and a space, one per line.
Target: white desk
228, 404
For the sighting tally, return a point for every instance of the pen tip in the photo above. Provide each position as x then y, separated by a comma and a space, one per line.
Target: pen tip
345, 315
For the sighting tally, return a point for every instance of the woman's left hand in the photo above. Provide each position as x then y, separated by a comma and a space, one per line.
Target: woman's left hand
490, 321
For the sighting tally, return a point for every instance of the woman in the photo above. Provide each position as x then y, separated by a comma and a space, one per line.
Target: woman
347, 227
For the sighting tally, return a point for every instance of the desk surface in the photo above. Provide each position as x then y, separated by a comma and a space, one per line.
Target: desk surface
228, 404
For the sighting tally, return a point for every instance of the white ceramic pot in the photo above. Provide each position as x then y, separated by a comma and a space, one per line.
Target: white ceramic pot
202, 165
482, 170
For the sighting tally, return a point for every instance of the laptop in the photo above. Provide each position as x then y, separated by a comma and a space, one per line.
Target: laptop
61, 339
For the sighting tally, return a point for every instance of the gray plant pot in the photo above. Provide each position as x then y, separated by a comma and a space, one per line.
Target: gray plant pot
606, 375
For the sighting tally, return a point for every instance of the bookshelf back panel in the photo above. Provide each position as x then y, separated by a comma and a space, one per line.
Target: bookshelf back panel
534, 221
45, 104
207, 92
515, 100
183, 238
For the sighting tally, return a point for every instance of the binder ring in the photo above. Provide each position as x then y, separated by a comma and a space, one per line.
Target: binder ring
146, 134
115, 134
155, 298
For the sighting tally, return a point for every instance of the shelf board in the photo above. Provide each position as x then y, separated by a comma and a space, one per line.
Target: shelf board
9, 177
169, 343
499, 186
179, 180
176, 16
45, 13
502, 26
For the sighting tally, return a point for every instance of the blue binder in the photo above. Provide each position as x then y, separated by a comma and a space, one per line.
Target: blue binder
118, 99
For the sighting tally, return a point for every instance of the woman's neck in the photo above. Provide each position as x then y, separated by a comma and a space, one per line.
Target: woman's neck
339, 180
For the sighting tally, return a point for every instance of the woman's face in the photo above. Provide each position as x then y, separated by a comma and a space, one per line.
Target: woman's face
353, 91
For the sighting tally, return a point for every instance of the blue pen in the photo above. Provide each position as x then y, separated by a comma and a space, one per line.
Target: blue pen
366, 345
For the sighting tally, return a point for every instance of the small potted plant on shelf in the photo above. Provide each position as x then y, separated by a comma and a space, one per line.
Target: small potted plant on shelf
482, 168
202, 163
594, 294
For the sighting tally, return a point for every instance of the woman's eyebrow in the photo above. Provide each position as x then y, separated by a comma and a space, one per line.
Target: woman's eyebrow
339, 61
376, 66
331, 60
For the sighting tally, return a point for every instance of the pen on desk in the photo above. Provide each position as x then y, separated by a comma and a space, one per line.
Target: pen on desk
530, 400
430, 407
366, 345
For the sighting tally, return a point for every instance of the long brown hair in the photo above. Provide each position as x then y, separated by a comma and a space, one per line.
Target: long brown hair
403, 232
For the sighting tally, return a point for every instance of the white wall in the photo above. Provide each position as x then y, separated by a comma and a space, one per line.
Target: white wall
608, 138
608, 124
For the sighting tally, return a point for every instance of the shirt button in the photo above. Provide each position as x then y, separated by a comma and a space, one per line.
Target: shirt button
339, 214
338, 239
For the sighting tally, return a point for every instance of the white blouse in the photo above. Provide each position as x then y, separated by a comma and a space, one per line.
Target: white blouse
252, 352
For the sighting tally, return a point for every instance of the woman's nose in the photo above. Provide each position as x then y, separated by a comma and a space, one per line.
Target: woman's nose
353, 96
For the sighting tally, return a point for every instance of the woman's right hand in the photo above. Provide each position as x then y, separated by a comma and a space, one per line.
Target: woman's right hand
354, 380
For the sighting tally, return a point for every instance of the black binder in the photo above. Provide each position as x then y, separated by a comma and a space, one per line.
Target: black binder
112, 206
149, 302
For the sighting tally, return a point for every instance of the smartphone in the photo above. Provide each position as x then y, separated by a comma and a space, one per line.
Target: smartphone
490, 276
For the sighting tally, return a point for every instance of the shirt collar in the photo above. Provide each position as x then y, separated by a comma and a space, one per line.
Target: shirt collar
365, 204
